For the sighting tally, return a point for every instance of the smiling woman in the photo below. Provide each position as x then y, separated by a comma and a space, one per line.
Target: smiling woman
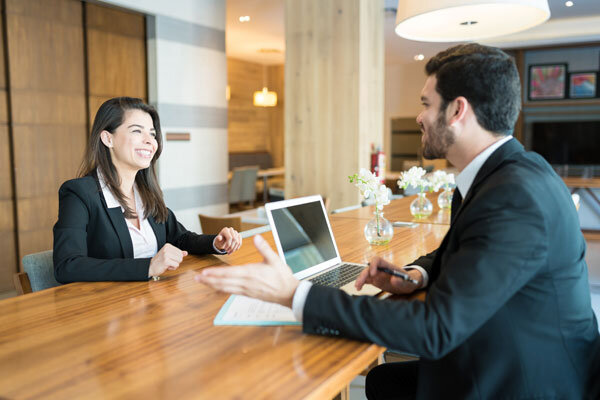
112, 220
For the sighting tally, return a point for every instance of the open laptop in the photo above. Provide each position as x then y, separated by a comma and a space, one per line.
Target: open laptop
304, 240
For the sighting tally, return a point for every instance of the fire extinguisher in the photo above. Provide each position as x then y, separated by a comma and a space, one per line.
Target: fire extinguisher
378, 163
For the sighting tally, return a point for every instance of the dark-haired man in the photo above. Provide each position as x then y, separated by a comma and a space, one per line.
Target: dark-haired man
508, 311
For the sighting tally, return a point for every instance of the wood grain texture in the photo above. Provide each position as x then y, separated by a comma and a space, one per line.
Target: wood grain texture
47, 95
157, 340
8, 248
399, 210
334, 103
252, 128
116, 55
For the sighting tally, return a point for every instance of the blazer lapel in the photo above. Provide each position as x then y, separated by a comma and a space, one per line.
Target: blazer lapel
118, 222
490, 165
159, 232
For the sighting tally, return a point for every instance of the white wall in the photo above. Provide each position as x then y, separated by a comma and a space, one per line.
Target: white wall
403, 84
187, 76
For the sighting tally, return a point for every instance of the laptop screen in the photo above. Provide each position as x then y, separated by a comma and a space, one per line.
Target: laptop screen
304, 235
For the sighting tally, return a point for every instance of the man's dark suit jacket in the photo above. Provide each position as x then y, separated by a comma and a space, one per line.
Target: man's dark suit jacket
508, 312
92, 241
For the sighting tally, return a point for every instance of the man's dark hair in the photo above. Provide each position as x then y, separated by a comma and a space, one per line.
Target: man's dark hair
486, 76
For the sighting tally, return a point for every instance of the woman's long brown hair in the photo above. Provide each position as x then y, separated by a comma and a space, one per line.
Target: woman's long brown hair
109, 117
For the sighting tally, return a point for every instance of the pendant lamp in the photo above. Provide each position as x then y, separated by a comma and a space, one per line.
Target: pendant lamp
265, 98
467, 20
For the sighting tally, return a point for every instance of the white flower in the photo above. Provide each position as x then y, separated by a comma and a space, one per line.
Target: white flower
369, 185
414, 177
442, 179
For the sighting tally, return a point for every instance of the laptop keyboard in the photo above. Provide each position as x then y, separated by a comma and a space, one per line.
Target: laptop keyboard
338, 276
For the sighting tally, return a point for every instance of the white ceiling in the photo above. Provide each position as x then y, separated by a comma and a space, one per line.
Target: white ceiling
262, 40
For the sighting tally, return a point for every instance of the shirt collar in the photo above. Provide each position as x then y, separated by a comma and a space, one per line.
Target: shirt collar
111, 200
465, 179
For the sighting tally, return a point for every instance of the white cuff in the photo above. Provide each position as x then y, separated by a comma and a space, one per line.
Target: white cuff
300, 298
423, 272
217, 250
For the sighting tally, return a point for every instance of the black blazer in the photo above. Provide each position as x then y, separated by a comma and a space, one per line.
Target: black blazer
508, 312
92, 241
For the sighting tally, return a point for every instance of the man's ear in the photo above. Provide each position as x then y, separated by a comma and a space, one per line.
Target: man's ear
106, 138
457, 110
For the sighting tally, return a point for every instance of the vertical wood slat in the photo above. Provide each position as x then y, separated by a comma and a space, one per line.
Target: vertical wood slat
8, 247
47, 95
252, 128
116, 55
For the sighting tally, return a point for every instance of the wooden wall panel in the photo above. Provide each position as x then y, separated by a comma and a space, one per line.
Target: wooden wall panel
116, 55
248, 126
8, 248
252, 128
47, 93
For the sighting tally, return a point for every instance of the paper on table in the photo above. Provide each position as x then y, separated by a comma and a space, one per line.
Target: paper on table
242, 310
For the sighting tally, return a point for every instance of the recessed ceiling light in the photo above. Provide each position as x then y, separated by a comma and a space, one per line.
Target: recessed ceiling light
419, 57
569, 3
244, 18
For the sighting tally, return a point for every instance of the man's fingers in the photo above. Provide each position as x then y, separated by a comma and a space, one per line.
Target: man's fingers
362, 278
263, 248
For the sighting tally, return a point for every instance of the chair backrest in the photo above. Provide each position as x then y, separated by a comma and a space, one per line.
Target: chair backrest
243, 184
213, 225
261, 158
39, 268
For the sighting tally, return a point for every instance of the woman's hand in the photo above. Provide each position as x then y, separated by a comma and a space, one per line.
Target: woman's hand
385, 281
167, 258
228, 240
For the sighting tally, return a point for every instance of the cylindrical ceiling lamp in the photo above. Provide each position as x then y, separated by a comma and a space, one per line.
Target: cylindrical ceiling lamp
467, 20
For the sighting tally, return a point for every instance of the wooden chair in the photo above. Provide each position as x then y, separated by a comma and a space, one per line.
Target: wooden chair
38, 273
213, 225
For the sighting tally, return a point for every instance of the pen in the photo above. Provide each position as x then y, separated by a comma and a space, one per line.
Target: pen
399, 274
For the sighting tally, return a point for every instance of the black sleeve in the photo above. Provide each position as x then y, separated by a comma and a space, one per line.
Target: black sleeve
183, 239
425, 261
71, 261
500, 248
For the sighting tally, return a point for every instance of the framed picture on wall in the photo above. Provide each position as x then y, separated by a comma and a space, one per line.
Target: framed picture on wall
583, 85
547, 82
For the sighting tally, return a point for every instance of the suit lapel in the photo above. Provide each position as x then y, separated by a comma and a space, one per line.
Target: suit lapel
118, 222
159, 232
490, 165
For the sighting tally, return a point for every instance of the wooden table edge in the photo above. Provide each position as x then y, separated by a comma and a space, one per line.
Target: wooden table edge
345, 375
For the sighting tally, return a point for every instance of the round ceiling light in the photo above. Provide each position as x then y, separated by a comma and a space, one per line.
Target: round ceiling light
466, 20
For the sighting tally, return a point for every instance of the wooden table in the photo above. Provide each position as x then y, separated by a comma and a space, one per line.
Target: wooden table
399, 210
156, 339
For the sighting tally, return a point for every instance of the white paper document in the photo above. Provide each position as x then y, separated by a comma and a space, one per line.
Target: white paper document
242, 310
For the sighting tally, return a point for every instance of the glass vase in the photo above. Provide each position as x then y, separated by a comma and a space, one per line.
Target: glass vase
421, 207
444, 200
379, 231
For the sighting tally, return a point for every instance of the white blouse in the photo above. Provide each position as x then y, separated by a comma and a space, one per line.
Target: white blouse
143, 239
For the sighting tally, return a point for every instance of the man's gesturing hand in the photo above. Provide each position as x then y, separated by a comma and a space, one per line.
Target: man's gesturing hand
270, 280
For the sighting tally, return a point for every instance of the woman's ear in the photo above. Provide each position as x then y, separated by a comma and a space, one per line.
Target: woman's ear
106, 138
